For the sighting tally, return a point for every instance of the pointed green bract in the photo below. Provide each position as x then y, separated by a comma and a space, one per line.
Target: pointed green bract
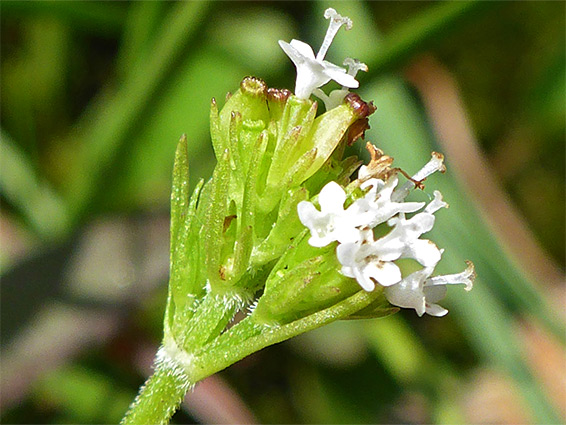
180, 191
215, 218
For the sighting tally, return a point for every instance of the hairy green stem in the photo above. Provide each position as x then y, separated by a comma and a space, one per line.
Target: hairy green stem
159, 397
177, 370
219, 355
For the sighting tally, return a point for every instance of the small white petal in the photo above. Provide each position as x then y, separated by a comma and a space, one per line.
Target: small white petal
303, 48
332, 100
408, 293
332, 197
354, 65
436, 204
385, 273
434, 294
307, 212
293, 53
435, 310
423, 251
364, 280
346, 254
339, 75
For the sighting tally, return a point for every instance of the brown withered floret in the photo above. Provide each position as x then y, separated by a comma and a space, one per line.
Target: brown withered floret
278, 95
357, 130
379, 167
361, 108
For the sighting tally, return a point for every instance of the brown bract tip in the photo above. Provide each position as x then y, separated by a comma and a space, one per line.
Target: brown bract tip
361, 108
357, 130
253, 86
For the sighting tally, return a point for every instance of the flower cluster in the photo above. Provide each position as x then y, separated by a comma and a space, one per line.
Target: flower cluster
314, 72
371, 260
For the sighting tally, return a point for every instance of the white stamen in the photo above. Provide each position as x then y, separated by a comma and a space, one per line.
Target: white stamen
435, 164
336, 21
354, 66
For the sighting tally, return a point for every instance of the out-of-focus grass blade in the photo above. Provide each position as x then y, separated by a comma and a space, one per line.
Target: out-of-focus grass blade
236, 33
96, 17
82, 395
401, 352
104, 133
26, 191
489, 327
141, 23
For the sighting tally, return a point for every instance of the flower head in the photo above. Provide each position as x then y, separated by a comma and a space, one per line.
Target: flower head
313, 71
371, 261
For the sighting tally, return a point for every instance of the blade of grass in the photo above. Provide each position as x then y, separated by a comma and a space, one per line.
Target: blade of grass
142, 21
38, 203
106, 130
96, 17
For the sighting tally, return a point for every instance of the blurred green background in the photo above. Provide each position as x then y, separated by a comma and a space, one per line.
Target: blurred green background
95, 95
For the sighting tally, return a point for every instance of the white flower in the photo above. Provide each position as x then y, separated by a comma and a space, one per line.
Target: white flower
336, 97
370, 261
332, 222
421, 292
377, 205
313, 72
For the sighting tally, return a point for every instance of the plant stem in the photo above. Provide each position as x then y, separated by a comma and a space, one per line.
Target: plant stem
223, 353
159, 397
162, 393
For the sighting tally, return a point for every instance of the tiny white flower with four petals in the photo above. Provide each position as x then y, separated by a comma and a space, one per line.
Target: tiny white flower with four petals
332, 222
369, 262
313, 71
